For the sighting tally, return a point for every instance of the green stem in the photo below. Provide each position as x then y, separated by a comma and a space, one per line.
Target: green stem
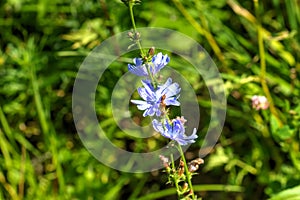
175, 176
6, 129
49, 133
293, 154
187, 173
139, 44
38, 102
134, 28
263, 69
151, 76
205, 188
9, 188
263, 64
5, 148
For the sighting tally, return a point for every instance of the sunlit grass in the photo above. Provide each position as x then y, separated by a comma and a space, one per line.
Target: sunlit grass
43, 44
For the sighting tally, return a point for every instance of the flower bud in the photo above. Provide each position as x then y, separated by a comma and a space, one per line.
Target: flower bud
133, 2
185, 186
260, 102
126, 2
194, 164
130, 34
165, 161
181, 168
151, 51
137, 36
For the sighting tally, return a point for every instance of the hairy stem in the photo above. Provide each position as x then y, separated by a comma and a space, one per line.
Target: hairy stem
134, 27
175, 177
263, 66
187, 173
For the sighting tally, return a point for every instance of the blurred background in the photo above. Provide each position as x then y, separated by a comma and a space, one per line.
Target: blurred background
255, 44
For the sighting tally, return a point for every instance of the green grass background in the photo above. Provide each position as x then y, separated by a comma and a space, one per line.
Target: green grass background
255, 44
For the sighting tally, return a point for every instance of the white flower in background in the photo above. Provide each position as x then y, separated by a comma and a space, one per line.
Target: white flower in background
260, 102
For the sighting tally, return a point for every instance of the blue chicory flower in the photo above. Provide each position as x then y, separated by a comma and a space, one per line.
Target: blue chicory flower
174, 130
166, 94
138, 68
157, 63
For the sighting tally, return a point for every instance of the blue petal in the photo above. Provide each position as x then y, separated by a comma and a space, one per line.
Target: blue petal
138, 61
157, 126
146, 94
158, 112
150, 111
193, 136
138, 68
141, 105
159, 61
162, 89
173, 90
147, 84
138, 101
172, 101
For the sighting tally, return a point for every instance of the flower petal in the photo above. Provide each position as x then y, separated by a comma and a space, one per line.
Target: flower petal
175, 130
173, 90
157, 126
159, 61
138, 68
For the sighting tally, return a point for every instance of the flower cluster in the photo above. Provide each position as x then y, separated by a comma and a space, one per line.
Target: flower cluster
156, 97
141, 69
260, 102
166, 94
174, 130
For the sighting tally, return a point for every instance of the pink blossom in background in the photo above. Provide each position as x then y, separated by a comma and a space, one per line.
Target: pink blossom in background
260, 102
